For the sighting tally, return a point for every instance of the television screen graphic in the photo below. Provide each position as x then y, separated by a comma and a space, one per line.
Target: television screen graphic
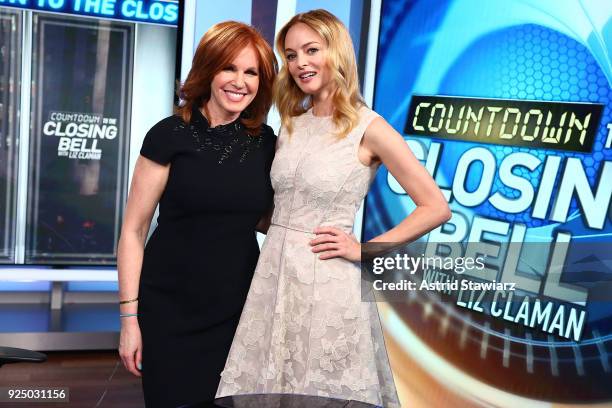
508, 106
80, 115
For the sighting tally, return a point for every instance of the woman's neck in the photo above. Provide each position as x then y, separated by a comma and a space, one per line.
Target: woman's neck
215, 117
322, 103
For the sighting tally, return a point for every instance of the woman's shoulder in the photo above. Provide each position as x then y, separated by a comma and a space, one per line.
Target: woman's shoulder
159, 144
267, 134
366, 116
365, 112
268, 137
267, 131
168, 124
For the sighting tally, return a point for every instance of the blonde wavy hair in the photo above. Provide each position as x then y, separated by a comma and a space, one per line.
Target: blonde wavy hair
340, 60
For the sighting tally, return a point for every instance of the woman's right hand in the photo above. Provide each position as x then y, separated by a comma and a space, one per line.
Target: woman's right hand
130, 345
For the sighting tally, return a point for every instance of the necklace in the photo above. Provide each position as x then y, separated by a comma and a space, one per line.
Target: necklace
226, 140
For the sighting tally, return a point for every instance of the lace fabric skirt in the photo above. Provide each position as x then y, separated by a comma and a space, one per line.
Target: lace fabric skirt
305, 329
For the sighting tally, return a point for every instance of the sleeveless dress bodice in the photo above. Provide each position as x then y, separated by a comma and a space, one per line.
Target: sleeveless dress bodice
317, 178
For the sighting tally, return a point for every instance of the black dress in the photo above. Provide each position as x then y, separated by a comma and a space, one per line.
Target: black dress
198, 264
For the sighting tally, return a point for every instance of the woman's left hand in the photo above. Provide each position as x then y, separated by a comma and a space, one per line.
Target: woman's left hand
334, 242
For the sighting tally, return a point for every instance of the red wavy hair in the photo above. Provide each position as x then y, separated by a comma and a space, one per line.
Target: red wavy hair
218, 48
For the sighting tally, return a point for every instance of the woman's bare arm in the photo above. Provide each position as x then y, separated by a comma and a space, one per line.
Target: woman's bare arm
148, 183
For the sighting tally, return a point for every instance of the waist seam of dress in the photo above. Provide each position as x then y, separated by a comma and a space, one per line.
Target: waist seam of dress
291, 228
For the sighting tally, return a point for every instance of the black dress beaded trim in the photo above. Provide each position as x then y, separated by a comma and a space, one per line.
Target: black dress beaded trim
228, 140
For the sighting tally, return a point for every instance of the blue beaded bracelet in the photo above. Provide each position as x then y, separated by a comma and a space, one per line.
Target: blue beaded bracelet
128, 315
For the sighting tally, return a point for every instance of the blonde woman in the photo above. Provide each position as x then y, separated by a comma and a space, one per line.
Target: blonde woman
304, 328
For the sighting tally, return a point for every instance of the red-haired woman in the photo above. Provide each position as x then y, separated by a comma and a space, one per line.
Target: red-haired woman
208, 168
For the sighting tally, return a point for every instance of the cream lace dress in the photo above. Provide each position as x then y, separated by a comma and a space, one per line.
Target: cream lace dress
304, 328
